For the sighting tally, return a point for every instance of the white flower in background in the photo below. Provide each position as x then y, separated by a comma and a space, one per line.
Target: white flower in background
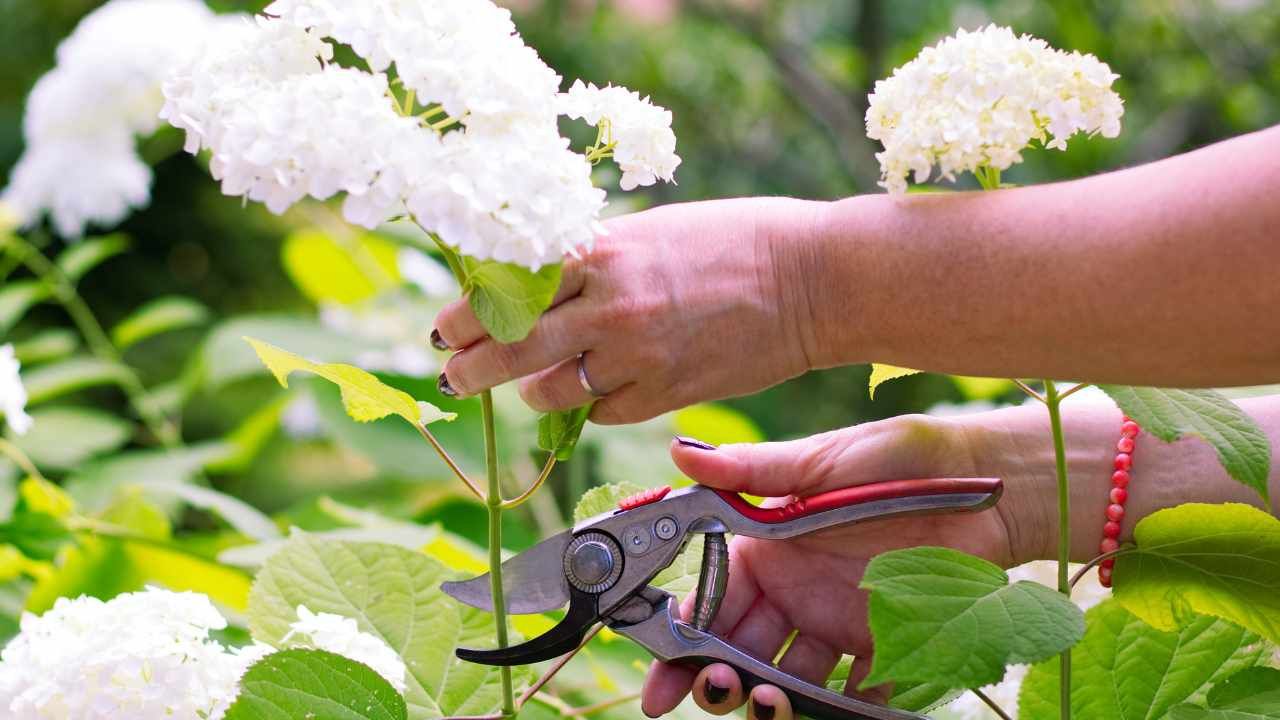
13, 396
645, 146
979, 98
428, 275
144, 656
342, 636
1087, 593
393, 332
80, 163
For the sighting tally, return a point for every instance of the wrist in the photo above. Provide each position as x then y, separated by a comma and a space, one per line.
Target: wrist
789, 237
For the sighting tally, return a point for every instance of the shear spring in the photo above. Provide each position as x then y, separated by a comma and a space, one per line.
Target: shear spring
712, 580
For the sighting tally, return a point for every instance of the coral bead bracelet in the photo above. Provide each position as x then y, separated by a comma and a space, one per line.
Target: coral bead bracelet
1123, 467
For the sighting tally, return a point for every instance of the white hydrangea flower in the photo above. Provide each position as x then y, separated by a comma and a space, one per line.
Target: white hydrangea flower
393, 332
342, 636
979, 98
80, 164
144, 656
13, 396
645, 144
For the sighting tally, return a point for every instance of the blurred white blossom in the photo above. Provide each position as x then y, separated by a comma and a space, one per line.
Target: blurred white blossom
13, 396
428, 275
342, 636
645, 146
82, 118
393, 332
980, 98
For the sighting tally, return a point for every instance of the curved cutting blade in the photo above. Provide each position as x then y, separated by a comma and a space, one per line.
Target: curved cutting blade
532, 581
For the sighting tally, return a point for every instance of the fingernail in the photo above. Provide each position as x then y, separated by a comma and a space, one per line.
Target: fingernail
694, 443
438, 342
760, 711
442, 384
715, 693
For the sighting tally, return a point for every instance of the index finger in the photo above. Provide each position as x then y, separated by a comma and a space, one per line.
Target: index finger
457, 326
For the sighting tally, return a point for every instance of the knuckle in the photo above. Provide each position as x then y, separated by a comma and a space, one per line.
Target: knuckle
504, 360
543, 394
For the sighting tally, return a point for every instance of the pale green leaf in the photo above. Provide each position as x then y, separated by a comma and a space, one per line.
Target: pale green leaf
61, 438
509, 299
393, 594
558, 432
347, 273
881, 374
1220, 560
46, 345
1252, 694
95, 483
365, 397
941, 616
717, 424
1242, 447
301, 683
76, 261
602, 499
16, 298
681, 576
158, 316
225, 357
1127, 670
246, 519
54, 380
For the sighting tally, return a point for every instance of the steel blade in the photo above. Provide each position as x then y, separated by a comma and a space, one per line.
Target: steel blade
532, 582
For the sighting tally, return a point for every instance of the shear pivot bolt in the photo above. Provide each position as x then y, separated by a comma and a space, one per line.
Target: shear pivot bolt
593, 562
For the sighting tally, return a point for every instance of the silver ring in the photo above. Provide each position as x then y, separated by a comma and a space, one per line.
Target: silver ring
582, 377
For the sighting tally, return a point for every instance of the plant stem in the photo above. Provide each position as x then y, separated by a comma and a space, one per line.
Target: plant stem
99, 344
1094, 563
542, 478
448, 460
1054, 401
493, 502
991, 704
1028, 390
20, 459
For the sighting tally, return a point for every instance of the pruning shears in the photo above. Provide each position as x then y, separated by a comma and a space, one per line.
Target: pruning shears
602, 567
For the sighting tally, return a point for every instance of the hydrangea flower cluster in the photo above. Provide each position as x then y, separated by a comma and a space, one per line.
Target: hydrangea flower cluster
978, 99
13, 396
80, 162
148, 656
483, 164
644, 144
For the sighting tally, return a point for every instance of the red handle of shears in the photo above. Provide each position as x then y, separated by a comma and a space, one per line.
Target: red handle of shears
857, 495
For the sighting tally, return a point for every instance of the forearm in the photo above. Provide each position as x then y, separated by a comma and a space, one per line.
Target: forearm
1163, 274
1164, 474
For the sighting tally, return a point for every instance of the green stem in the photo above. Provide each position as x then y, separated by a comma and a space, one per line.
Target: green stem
493, 502
99, 344
14, 453
1054, 401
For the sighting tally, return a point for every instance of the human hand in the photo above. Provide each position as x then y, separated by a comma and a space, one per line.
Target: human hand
810, 584
677, 305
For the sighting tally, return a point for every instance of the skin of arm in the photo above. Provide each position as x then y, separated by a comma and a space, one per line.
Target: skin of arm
1162, 274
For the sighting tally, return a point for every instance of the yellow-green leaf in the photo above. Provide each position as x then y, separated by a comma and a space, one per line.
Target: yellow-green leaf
1218, 560
881, 374
365, 397
347, 273
717, 424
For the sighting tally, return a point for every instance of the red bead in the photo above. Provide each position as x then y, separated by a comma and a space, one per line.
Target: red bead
1108, 545
1125, 445
1119, 495
1115, 513
1104, 576
1129, 429
1108, 563
1123, 461
1120, 478
1111, 529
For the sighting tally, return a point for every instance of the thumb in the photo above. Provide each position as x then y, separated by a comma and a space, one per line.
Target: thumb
774, 469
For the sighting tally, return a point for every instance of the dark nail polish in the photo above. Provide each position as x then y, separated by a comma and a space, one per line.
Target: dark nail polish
715, 694
442, 384
760, 711
694, 443
438, 342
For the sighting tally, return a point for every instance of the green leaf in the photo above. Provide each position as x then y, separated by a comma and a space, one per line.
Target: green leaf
1252, 694
917, 697
941, 616
881, 374
159, 316
1127, 670
509, 299
717, 424
299, 683
54, 380
391, 593
226, 358
77, 260
95, 483
61, 438
326, 271
1218, 560
558, 432
1243, 449
37, 535
46, 345
245, 518
365, 397
16, 298
602, 499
